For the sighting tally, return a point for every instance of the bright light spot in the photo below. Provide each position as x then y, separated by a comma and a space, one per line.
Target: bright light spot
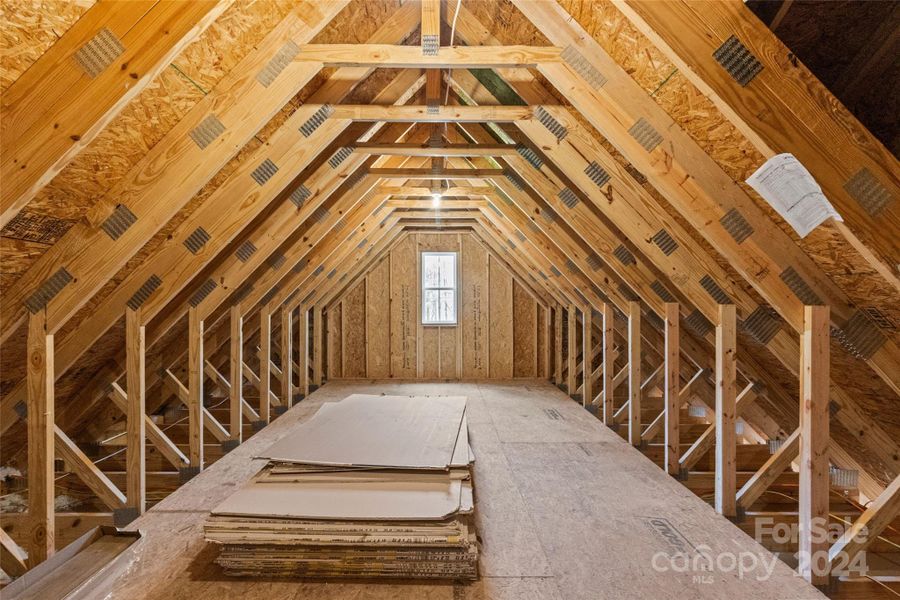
436, 199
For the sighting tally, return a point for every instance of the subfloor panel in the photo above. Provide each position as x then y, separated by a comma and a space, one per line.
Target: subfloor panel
567, 510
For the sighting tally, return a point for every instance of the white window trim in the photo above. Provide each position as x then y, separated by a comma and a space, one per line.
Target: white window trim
455, 289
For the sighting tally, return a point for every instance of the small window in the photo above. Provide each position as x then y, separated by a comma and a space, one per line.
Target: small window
439, 288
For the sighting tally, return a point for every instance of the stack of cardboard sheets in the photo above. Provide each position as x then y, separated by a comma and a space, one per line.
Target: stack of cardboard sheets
372, 486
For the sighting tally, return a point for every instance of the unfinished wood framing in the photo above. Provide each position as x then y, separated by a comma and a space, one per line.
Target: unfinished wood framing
726, 411
814, 472
135, 450
40, 409
215, 215
671, 388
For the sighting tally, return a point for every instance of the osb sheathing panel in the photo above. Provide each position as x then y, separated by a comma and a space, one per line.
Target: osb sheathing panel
541, 341
28, 28
474, 304
334, 351
524, 342
378, 333
353, 329
404, 309
500, 326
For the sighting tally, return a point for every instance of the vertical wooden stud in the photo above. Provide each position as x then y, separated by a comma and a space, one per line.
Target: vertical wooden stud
135, 380
726, 362
317, 346
287, 356
671, 387
608, 358
236, 396
265, 364
303, 351
547, 347
572, 353
587, 347
195, 388
814, 473
634, 373
557, 345
40, 411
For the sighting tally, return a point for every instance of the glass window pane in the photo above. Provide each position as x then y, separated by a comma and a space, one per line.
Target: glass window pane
448, 305
430, 270
447, 270
430, 306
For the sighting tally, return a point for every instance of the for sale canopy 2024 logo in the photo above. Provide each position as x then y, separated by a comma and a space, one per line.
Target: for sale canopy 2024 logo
703, 563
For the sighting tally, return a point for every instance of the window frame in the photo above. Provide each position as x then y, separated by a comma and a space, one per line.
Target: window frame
454, 289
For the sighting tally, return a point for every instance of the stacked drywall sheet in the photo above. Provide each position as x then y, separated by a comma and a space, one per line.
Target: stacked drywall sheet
372, 486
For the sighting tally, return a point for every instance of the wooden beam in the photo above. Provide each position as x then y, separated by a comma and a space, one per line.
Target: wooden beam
303, 350
40, 411
236, 373
287, 352
136, 438
726, 411
413, 173
684, 393
444, 149
867, 527
317, 345
814, 468
609, 317
557, 344
157, 437
634, 373
12, 556
431, 27
408, 113
587, 350
572, 353
195, 389
59, 105
265, 362
87, 471
672, 400
387, 56
769, 471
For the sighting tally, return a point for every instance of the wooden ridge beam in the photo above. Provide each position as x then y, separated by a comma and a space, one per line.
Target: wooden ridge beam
802, 116
57, 107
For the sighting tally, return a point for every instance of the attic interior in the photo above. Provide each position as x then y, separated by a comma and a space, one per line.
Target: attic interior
656, 255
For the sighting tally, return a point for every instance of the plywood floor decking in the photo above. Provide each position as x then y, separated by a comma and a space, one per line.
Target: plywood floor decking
565, 509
